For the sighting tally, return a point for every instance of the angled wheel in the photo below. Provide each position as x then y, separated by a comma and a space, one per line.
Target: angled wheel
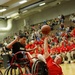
16, 69
39, 68
20, 58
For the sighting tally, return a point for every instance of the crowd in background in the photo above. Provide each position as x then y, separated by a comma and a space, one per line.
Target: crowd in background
62, 41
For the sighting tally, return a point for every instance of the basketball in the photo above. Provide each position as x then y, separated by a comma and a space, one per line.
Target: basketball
45, 29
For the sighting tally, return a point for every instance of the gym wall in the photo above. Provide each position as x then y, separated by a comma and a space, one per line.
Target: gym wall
47, 14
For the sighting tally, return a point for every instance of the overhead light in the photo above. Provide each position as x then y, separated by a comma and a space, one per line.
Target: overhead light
33, 5
15, 14
24, 11
42, 4
23, 1
8, 16
2, 10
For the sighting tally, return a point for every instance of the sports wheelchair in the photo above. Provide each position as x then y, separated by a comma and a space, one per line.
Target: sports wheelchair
22, 66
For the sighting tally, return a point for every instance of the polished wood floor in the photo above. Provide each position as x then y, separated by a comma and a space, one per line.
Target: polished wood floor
68, 69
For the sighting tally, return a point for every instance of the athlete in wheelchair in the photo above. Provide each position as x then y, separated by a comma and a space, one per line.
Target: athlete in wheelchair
21, 58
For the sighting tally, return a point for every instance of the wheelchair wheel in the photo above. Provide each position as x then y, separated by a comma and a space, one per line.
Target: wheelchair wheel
39, 68
13, 70
20, 58
1, 73
16, 69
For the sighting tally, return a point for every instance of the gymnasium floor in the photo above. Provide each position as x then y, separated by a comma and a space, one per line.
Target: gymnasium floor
68, 69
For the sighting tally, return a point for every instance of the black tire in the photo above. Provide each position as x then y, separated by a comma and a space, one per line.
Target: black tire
14, 69
7, 70
39, 68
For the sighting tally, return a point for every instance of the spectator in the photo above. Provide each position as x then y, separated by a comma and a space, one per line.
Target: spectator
62, 26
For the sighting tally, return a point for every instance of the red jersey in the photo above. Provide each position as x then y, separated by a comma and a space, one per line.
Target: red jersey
58, 49
73, 32
30, 46
53, 68
69, 47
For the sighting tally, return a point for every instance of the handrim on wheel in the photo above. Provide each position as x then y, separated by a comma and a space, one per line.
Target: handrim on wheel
39, 68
